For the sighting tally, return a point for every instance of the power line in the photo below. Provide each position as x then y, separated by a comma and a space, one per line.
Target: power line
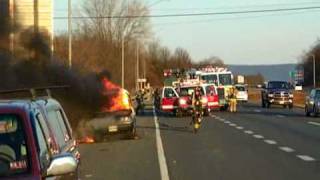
232, 18
195, 14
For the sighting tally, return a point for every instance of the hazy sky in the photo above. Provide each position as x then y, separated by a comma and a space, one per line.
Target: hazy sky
267, 38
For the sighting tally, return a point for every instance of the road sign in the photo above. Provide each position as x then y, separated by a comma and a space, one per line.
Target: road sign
142, 80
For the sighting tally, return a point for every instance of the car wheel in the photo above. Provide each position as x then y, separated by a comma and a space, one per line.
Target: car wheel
306, 111
268, 105
263, 104
314, 111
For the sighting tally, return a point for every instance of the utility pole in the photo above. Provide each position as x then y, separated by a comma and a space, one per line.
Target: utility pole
12, 17
122, 50
122, 60
314, 70
70, 33
137, 83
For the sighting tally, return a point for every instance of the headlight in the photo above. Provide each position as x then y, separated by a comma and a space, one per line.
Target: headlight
291, 95
126, 120
182, 101
270, 95
311, 102
204, 100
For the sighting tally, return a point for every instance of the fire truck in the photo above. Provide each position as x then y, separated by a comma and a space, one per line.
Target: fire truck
176, 95
220, 77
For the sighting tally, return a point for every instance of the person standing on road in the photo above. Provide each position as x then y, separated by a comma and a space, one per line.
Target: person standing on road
196, 101
232, 100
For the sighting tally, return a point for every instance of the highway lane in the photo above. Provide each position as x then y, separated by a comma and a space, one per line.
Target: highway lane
254, 143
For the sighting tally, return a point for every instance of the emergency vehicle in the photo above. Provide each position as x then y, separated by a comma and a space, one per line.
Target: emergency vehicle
220, 77
176, 95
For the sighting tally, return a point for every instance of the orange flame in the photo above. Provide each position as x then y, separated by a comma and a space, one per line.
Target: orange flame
119, 98
86, 140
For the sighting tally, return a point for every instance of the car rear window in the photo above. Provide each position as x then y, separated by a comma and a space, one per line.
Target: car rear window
13, 146
240, 88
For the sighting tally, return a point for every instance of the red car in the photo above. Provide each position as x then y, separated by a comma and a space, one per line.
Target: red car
36, 141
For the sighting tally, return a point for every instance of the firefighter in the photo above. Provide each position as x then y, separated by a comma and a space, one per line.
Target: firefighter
232, 100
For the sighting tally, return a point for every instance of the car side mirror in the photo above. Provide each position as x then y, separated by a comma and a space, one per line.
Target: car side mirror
62, 164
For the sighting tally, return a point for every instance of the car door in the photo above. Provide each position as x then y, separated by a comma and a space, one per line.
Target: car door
169, 98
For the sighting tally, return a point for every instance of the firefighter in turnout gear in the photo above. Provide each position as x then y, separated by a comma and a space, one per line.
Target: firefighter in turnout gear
232, 96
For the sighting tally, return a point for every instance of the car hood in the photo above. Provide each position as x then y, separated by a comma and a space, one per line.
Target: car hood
279, 90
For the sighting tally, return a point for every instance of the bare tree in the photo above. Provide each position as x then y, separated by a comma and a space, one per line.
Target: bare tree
101, 24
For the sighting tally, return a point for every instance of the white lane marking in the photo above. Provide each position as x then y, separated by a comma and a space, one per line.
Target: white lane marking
258, 136
227, 122
280, 116
161, 156
286, 149
306, 158
257, 110
314, 123
88, 176
239, 127
232, 124
248, 132
269, 141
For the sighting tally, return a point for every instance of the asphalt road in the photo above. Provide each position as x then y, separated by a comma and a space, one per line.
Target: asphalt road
253, 144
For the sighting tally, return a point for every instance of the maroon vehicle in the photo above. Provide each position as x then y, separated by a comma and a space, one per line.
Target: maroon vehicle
36, 141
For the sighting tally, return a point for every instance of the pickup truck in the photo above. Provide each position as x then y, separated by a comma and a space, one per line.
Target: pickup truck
277, 92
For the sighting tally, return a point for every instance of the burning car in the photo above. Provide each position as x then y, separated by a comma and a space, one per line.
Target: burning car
117, 115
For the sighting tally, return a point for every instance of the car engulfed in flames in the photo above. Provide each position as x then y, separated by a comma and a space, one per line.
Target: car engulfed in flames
118, 99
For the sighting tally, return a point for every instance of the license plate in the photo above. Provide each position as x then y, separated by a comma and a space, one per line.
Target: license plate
113, 128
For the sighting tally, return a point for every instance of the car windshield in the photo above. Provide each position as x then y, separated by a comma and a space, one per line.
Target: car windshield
210, 79
225, 79
188, 91
240, 88
13, 150
278, 85
210, 90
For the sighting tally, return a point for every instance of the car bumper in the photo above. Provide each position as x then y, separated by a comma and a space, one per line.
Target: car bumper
281, 101
119, 128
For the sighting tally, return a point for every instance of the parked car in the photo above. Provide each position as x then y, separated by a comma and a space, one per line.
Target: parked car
36, 140
242, 93
312, 104
277, 92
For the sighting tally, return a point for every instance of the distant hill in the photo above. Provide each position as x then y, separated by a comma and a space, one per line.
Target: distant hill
270, 72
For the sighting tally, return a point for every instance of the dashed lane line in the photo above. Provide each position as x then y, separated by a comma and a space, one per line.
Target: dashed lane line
273, 142
258, 136
286, 149
248, 132
306, 158
269, 141
314, 123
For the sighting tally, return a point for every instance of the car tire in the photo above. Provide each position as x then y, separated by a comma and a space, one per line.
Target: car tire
307, 111
314, 111
268, 105
263, 104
